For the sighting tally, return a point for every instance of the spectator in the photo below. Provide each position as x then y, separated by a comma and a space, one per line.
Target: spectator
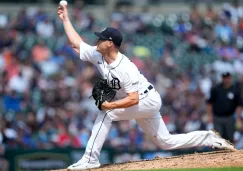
223, 30
40, 52
4, 165
233, 12
210, 13
12, 101
18, 83
195, 14
45, 28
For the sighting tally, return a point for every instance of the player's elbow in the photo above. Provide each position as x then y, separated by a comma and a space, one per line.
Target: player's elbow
75, 49
76, 43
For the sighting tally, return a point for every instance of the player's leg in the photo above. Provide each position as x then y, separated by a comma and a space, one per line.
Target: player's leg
156, 129
218, 125
99, 133
229, 128
148, 105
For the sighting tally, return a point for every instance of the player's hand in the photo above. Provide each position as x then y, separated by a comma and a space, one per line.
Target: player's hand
62, 12
106, 105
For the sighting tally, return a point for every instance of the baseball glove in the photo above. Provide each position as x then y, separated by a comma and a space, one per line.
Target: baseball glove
102, 92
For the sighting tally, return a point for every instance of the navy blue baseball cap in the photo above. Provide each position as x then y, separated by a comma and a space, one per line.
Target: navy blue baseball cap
226, 74
111, 34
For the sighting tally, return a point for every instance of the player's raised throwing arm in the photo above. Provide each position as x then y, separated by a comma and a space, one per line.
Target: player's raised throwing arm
72, 35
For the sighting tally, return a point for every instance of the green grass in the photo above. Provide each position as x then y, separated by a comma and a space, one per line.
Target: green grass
197, 169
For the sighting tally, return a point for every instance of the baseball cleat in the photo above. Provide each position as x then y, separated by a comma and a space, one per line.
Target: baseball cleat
83, 166
220, 143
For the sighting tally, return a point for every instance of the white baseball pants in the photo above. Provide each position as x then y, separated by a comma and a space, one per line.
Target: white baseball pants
149, 119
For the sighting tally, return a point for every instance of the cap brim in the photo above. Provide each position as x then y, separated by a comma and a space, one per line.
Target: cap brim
99, 35
226, 74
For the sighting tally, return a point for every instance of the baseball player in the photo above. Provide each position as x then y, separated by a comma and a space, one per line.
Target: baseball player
136, 98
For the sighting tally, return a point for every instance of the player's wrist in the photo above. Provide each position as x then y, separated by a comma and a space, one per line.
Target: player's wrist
106, 105
65, 19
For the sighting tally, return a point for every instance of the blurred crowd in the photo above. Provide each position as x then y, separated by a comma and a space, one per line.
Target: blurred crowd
45, 92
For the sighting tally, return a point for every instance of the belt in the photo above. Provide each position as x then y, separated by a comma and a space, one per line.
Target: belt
148, 89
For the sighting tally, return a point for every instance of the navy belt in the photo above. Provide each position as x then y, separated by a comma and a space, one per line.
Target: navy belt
149, 88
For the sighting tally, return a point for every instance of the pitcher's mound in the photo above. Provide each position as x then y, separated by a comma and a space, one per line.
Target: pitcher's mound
196, 160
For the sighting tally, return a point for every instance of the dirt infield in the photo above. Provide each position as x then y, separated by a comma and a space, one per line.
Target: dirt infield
197, 160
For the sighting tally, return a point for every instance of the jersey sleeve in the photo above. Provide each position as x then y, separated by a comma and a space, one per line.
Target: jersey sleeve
131, 81
86, 52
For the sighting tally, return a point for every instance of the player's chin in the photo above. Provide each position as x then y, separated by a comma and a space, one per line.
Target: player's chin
98, 49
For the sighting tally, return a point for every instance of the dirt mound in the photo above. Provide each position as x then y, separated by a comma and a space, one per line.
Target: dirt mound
196, 160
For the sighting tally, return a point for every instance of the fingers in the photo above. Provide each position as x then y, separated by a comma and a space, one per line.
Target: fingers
60, 8
59, 12
64, 7
62, 11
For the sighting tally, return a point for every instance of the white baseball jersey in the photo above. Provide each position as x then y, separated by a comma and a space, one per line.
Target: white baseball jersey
124, 76
121, 74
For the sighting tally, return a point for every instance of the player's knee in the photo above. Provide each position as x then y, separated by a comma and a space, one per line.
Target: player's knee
165, 146
163, 143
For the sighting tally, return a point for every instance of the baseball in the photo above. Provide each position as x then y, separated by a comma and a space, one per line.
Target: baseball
63, 3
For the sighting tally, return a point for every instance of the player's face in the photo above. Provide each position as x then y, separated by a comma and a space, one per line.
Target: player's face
103, 45
227, 81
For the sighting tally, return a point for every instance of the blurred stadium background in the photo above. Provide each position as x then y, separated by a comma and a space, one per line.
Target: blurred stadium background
46, 115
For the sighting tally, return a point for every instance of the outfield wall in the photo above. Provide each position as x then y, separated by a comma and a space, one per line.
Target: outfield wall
33, 160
